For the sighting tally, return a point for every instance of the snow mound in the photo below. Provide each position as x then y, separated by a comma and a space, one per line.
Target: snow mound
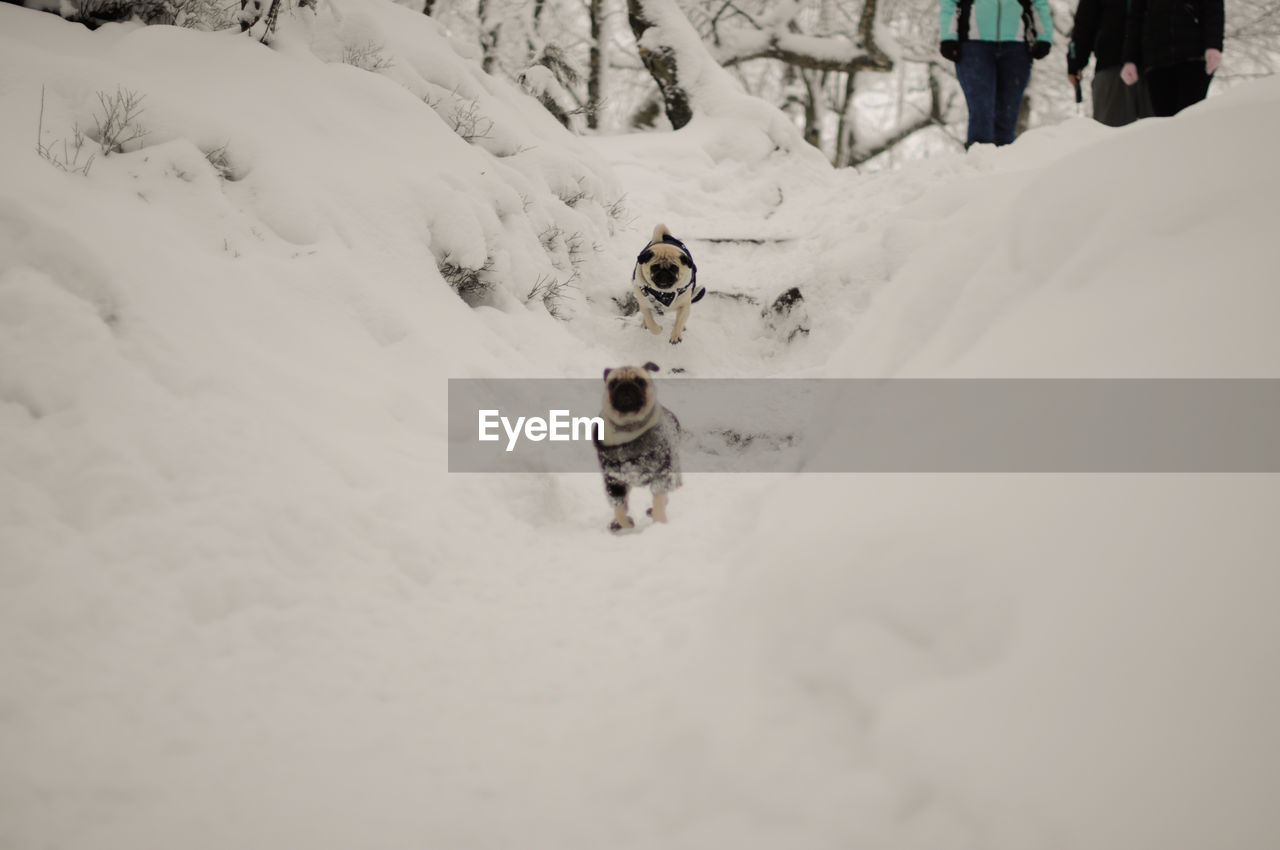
1145, 254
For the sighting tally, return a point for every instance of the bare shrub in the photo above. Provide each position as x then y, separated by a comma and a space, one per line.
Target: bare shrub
95, 13
575, 245
463, 116
117, 125
68, 158
552, 292
221, 161
573, 198
619, 215
549, 237
473, 285
467, 121
367, 56
206, 15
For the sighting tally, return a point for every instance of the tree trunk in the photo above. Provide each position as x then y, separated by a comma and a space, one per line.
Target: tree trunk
846, 130
488, 38
660, 61
812, 110
595, 64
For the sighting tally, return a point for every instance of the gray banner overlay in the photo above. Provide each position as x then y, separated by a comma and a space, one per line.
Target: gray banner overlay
785, 425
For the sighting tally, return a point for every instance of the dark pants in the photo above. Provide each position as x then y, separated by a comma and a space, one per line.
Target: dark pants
1116, 104
993, 75
1175, 87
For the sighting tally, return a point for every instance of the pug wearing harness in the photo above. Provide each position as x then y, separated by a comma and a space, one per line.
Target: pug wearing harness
664, 280
637, 447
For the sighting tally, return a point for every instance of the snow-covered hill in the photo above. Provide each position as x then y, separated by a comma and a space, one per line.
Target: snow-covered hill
243, 604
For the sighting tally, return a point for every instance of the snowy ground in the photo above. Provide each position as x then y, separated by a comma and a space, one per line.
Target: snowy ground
242, 603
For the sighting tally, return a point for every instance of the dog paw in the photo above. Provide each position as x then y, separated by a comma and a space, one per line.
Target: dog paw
616, 526
654, 329
662, 517
676, 340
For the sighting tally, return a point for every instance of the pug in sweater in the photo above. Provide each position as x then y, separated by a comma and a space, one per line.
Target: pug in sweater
638, 445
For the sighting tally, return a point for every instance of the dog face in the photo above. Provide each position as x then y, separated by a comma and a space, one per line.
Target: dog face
629, 395
663, 265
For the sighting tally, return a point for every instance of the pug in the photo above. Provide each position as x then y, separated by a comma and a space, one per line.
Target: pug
638, 444
666, 279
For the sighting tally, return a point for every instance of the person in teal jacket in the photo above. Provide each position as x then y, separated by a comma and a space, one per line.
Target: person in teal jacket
992, 43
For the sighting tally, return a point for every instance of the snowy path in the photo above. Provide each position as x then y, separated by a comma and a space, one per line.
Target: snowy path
592, 652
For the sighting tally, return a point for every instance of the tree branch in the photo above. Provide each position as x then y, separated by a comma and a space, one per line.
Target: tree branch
935, 116
815, 53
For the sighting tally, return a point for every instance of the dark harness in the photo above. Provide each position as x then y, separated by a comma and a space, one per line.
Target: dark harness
662, 299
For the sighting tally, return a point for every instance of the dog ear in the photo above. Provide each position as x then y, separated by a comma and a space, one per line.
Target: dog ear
606, 373
651, 366
645, 256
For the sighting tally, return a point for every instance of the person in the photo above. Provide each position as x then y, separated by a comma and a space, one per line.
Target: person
1178, 46
992, 43
1099, 30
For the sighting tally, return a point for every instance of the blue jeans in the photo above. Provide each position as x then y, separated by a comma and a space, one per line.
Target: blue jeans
993, 75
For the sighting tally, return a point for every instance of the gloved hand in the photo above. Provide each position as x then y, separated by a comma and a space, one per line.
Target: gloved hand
950, 50
1129, 73
1040, 49
1212, 59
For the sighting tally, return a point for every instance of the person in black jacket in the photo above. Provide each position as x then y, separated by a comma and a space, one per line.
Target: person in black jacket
1099, 29
1178, 46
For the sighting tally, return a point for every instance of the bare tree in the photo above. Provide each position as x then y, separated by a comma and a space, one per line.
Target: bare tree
781, 37
1252, 38
739, 33
854, 151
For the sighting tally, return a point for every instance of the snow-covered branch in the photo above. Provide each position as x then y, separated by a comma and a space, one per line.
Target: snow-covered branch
816, 53
780, 40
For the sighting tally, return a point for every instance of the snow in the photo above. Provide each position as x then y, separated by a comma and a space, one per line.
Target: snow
243, 603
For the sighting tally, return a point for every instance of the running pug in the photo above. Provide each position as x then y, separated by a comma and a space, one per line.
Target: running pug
665, 279
637, 447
